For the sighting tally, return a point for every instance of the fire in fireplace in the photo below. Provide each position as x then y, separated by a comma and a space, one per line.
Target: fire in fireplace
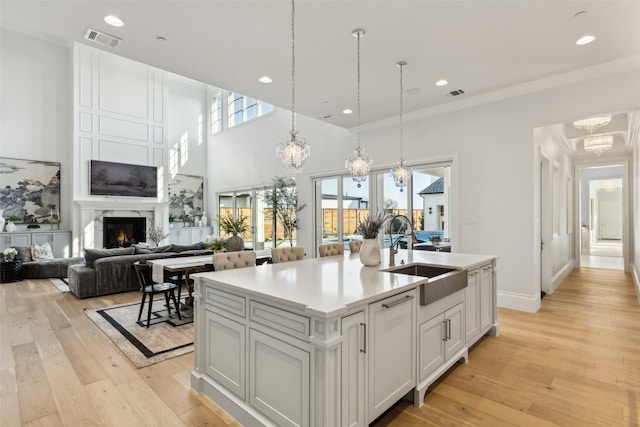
122, 232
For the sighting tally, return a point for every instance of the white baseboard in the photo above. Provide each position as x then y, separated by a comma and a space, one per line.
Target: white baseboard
528, 303
561, 275
636, 279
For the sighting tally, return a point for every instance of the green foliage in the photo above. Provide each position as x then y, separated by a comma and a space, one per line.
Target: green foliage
156, 234
233, 226
215, 245
14, 218
282, 196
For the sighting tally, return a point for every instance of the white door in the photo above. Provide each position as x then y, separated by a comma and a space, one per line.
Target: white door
610, 214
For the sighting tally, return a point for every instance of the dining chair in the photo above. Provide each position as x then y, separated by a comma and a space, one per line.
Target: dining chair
287, 253
148, 287
330, 249
230, 260
354, 246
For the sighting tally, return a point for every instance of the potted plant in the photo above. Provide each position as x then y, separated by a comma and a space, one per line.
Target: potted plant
237, 227
172, 219
369, 228
9, 254
11, 226
216, 245
156, 234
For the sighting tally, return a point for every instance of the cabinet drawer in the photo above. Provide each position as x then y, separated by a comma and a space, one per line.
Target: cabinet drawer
281, 320
226, 302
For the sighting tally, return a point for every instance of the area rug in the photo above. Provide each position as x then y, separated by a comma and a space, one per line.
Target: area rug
62, 284
166, 337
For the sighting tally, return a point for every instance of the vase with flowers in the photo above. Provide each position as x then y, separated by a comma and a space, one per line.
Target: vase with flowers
9, 254
369, 228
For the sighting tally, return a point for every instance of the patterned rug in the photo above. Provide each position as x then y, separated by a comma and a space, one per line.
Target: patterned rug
62, 284
166, 337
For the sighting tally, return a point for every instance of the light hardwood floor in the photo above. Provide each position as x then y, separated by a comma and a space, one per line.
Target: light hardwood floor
574, 363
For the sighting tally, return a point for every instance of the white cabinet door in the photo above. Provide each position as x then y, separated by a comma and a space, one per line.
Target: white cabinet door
199, 234
391, 352
17, 239
60, 242
225, 353
180, 236
472, 301
430, 340
454, 332
486, 294
279, 380
353, 370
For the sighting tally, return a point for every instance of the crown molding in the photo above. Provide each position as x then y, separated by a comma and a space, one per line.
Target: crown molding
633, 132
557, 134
583, 74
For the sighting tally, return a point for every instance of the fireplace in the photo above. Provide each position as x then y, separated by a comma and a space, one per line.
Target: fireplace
121, 232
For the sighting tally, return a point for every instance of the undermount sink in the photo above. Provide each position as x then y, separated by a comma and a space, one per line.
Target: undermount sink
442, 281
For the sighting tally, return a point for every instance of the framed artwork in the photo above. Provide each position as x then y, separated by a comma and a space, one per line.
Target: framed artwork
30, 190
186, 197
124, 180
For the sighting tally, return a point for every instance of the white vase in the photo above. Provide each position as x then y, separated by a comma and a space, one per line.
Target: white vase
11, 226
2, 220
205, 220
370, 252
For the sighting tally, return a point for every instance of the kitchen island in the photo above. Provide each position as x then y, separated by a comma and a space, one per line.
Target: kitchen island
328, 342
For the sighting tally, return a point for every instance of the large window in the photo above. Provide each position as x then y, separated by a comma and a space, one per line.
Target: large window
426, 202
216, 114
242, 108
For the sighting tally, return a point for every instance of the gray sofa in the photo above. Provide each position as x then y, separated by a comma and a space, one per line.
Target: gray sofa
44, 268
109, 271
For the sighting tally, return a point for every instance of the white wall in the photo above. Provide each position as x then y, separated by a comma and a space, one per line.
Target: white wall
35, 106
635, 213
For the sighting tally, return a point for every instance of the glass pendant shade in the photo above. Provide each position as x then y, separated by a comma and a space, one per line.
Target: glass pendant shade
598, 144
592, 123
295, 151
359, 164
401, 173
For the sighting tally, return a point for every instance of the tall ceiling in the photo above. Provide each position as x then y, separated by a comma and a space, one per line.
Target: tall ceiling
478, 46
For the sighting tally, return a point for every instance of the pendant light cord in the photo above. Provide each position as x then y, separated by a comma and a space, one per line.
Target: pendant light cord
358, 123
293, 67
401, 111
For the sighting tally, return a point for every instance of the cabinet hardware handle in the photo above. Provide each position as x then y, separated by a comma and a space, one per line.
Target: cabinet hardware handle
399, 301
448, 329
364, 338
444, 338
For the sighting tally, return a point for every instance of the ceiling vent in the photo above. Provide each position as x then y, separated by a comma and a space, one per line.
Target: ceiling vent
456, 92
102, 38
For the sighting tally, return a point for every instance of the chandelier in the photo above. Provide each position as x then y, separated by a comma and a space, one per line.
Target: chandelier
295, 150
401, 173
596, 144
358, 163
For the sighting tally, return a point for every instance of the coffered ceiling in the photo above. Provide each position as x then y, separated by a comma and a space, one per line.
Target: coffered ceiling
478, 46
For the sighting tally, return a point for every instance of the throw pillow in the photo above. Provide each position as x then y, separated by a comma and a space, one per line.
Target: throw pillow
42, 251
90, 255
24, 253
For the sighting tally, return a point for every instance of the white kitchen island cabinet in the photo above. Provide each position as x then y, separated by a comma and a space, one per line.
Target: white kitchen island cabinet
327, 341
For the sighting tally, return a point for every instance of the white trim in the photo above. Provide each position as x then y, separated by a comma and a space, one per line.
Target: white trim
561, 275
521, 302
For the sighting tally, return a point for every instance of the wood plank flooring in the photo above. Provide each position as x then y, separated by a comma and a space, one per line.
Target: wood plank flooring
574, 363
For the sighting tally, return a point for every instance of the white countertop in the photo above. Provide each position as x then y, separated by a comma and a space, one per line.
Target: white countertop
332, 285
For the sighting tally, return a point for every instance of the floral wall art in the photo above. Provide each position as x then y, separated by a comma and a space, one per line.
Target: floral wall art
30, 190
186, 197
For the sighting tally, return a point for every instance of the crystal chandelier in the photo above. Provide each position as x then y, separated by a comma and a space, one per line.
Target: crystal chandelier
358, 163
596, 144
295, 150
401, 173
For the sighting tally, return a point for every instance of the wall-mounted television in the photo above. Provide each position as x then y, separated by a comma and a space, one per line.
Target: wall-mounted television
121, 179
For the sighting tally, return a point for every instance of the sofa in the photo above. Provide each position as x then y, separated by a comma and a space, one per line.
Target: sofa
46, 267
109, 271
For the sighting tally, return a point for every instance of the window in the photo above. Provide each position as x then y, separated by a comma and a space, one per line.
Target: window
216, 114
242, 109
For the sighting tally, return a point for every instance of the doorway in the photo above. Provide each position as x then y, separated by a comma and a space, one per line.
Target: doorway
601, 214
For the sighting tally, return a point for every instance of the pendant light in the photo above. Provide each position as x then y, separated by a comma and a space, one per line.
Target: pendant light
295, 150
358, 163
401, 173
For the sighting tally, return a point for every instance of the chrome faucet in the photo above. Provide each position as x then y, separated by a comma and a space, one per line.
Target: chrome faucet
393, 247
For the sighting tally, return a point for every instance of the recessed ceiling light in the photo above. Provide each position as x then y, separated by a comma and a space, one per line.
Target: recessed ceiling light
113, 20
265, 79
161, 39
585, 40
442, 82
347, 111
